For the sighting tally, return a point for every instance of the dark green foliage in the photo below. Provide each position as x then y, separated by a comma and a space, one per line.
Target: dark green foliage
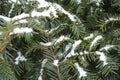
41, 48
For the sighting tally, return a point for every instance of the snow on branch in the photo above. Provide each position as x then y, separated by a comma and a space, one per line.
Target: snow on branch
89, 37
19, 58
55, 62
95, 41
53, 7
82, 73
41, 70
55, 41
107, 47
102, 57
21, 30
72, 52
9, 13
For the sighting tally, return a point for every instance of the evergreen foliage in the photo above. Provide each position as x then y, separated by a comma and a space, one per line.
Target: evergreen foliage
59, 40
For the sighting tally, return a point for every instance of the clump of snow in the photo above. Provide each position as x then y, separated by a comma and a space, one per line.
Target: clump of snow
89, 37
107, 47
47, 44
78, 1
95, 41
114, 19
72, 52
97, 2
14, 1
19, 58
55, 62
86, 52
55, 41
81, 53
82, 73
21, 21
53, 9
21, 16
21, 30
5, 18
61, 38
43, 3
68, 47
41, 70
102, 57
1, 33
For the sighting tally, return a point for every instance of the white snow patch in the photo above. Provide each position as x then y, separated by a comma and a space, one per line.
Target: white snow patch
46, 44
89, 37
21, 21
9, 13
68, 47
95, 41
107, 47
82, 73
61, 38
113, 19
55, 62
21, 16
19, 58
41, 70
55, 41
21, 30
53, 9
43, 3
1, 33
86, 52
72, 52
15, 1
102, 57
78, 1
81, 53
5, 18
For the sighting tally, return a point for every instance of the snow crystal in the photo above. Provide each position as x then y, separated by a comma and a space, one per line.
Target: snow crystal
107, 47
19, 58
89, 37
41, 70
55, 62
102, 57
21, 30
72, 52
95, 41
82, 73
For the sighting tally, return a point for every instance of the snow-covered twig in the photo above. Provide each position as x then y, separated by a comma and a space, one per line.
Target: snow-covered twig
41, 70
9, 13
82, 73
19, 58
